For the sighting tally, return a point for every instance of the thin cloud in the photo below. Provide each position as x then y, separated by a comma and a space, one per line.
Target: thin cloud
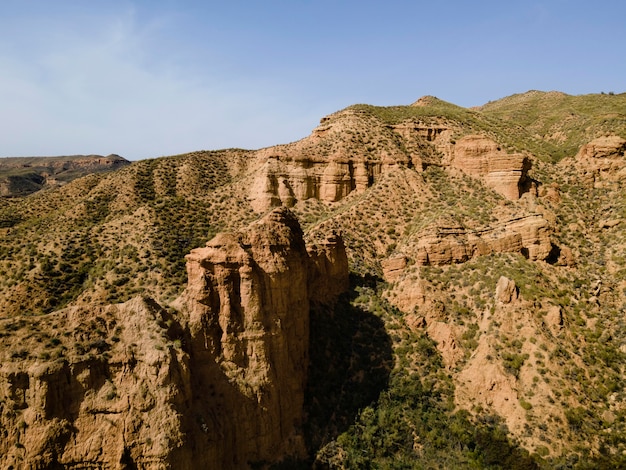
109, 91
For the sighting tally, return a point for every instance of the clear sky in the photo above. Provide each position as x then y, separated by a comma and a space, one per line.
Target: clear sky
147, 78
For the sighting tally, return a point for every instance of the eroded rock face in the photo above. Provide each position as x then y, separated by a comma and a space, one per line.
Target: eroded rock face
347, 152
449, 245
218, 385
602, 159
286, 181
108, 388
481, 157
248, 314
506, 290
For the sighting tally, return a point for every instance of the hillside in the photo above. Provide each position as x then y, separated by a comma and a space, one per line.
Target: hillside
21, 176
482, 326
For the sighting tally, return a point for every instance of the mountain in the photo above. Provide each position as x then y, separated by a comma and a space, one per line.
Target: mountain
407, 287
20, 176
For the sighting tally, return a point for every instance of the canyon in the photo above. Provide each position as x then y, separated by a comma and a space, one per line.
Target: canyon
408, 285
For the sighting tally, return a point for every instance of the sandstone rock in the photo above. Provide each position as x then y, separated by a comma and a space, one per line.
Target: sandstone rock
445, 336
554, 319
506, 290
116, 393
602, 159
393, 267
347, 152
608, 223
329, 272
479, 156
565, 257
284, 182
248, 313
603, 147
529, 235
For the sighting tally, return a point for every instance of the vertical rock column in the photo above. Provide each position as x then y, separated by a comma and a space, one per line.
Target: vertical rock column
248, 311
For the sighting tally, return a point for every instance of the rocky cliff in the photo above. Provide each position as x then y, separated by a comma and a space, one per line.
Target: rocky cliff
350, 150
481, 157
217, 384
602, 161
529, 235
496, 340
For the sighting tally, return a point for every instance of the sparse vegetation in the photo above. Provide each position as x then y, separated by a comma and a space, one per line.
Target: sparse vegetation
387, 388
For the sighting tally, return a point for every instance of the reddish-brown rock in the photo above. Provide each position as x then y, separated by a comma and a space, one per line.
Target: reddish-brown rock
393, 267
602, 159
529, 235
248, 314
109, 388
506, 290
481, 157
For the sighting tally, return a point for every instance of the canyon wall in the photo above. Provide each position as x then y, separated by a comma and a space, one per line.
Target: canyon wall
528, 235
350, 150
481, 157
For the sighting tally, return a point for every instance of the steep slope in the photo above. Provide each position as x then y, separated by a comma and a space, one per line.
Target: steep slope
483, 325
562, 120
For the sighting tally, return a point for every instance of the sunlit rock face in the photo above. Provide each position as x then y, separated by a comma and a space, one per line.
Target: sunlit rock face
481, 157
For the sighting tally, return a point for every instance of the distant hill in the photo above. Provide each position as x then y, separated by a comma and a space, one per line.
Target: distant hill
20, 176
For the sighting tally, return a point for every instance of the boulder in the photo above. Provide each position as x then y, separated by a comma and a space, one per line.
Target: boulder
506, 290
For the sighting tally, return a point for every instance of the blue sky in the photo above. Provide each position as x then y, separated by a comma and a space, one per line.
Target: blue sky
149, 78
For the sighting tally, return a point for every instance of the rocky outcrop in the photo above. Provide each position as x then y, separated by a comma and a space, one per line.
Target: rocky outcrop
481, 157
393, 267
347, 152
602, 159
247, 308
94, 387
449, 245
506, 290
286, 181
603, 147
220, 384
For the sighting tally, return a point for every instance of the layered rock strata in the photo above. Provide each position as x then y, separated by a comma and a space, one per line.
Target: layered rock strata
448, 245
481, 157
247, 306
284, 182
602, 160
99, 387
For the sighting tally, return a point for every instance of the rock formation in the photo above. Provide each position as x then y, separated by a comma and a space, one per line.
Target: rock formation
602, 159
335, 160
284, 182
506, 290
529, 235
94, 388
218, 385
247, 306
481, 157
347, 152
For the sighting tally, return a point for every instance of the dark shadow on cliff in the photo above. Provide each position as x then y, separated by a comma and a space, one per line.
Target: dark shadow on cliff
350, 362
